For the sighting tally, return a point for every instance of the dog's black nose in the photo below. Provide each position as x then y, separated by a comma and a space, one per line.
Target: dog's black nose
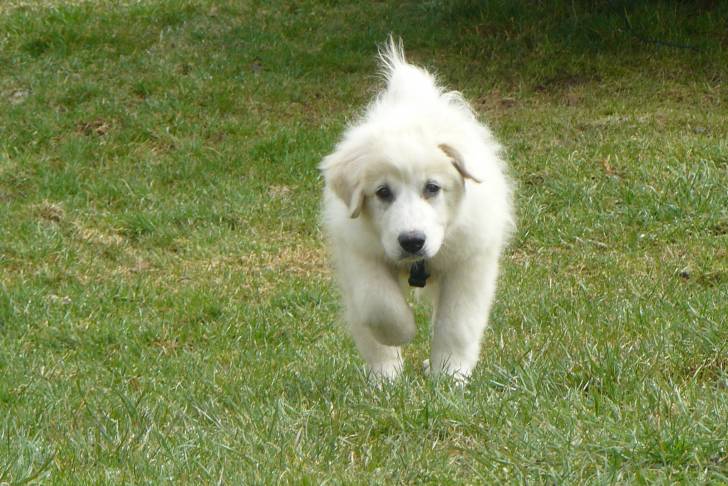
412, 241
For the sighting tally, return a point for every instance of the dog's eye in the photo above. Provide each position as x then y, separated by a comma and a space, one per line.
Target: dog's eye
385, 193
431, 189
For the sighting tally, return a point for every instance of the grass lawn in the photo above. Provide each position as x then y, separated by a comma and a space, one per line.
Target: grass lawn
166, 311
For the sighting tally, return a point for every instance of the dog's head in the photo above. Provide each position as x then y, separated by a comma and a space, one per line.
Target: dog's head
408, 190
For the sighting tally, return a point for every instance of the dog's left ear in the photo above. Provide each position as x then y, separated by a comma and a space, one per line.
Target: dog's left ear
342, 176
458, 161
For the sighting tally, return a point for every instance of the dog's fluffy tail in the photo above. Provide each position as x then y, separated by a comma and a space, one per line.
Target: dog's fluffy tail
391, 55
404, 81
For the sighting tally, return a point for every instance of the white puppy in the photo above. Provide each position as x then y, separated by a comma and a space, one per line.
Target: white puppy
416, 187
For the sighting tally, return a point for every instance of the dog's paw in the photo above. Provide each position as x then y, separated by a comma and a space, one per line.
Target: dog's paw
455, 374
382, 373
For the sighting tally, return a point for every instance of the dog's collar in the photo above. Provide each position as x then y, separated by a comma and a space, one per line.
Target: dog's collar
418, 274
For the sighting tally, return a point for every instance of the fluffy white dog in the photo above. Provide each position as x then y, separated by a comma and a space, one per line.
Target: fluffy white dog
416, 188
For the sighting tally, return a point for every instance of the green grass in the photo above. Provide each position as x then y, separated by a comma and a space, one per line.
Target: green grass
166, 312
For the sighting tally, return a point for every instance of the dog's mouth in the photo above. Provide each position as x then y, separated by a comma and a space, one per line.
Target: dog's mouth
406, 258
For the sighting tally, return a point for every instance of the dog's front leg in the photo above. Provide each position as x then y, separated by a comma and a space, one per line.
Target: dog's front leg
378, 315
461, 316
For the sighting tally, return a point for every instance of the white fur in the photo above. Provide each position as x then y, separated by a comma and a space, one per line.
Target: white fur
413, 133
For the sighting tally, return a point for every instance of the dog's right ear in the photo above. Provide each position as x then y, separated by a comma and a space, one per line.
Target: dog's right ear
342, 176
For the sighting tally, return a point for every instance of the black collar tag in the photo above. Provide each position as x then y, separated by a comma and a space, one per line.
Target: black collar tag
418, 274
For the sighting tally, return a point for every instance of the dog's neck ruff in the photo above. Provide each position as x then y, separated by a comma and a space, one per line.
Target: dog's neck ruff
418, 274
